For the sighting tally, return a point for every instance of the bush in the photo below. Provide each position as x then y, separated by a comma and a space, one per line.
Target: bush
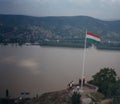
105, 78
75, 99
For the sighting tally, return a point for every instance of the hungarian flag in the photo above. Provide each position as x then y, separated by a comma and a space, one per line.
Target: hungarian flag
93, 37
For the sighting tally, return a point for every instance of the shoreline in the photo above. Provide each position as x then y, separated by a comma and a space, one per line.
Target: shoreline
63, 46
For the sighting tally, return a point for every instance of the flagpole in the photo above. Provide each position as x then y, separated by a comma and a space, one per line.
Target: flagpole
83, 67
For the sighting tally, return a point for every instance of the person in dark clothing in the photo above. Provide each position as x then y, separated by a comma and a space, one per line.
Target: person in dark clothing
79, 82
83, 81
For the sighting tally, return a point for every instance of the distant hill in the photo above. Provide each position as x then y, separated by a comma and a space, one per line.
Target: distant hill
58, 31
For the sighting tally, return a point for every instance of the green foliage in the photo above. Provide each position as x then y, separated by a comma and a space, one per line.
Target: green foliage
104, 79
116, 100
75, 99
114, 89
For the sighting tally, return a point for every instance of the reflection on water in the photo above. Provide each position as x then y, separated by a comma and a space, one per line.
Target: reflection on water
41, 69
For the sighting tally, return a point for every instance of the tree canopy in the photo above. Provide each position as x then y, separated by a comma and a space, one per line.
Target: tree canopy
105, 79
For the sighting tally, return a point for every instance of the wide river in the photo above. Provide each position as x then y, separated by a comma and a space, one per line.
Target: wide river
41, 69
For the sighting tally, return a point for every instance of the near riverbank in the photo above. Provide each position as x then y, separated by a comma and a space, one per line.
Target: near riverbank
89, 96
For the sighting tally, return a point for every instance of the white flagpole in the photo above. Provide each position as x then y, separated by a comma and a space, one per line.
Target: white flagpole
83, 67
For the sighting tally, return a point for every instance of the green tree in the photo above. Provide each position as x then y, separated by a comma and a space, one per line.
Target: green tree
75, 99
104, 79
114, 89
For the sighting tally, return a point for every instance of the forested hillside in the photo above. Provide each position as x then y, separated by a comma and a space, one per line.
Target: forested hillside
58, 31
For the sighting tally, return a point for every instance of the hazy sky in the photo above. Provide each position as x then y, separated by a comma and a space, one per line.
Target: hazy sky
103, 9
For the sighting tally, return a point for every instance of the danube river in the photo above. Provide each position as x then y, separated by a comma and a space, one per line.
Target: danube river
41, 69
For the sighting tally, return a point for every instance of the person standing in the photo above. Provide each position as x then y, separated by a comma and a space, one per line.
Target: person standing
79, 82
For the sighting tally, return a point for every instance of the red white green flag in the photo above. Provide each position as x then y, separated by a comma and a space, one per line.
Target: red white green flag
93, 37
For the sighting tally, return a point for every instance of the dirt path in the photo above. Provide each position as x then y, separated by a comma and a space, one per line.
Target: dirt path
86, 91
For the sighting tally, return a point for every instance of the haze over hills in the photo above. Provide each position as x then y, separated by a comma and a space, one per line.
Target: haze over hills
58, 31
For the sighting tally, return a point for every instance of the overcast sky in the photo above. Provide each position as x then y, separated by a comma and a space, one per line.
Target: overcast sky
103, 9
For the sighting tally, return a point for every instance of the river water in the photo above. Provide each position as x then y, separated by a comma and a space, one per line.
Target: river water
41, 69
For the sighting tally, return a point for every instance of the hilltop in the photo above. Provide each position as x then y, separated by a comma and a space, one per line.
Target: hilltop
58, 31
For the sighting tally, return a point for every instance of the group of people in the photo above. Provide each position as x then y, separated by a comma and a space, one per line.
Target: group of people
80, 82
70, 85
76, 87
